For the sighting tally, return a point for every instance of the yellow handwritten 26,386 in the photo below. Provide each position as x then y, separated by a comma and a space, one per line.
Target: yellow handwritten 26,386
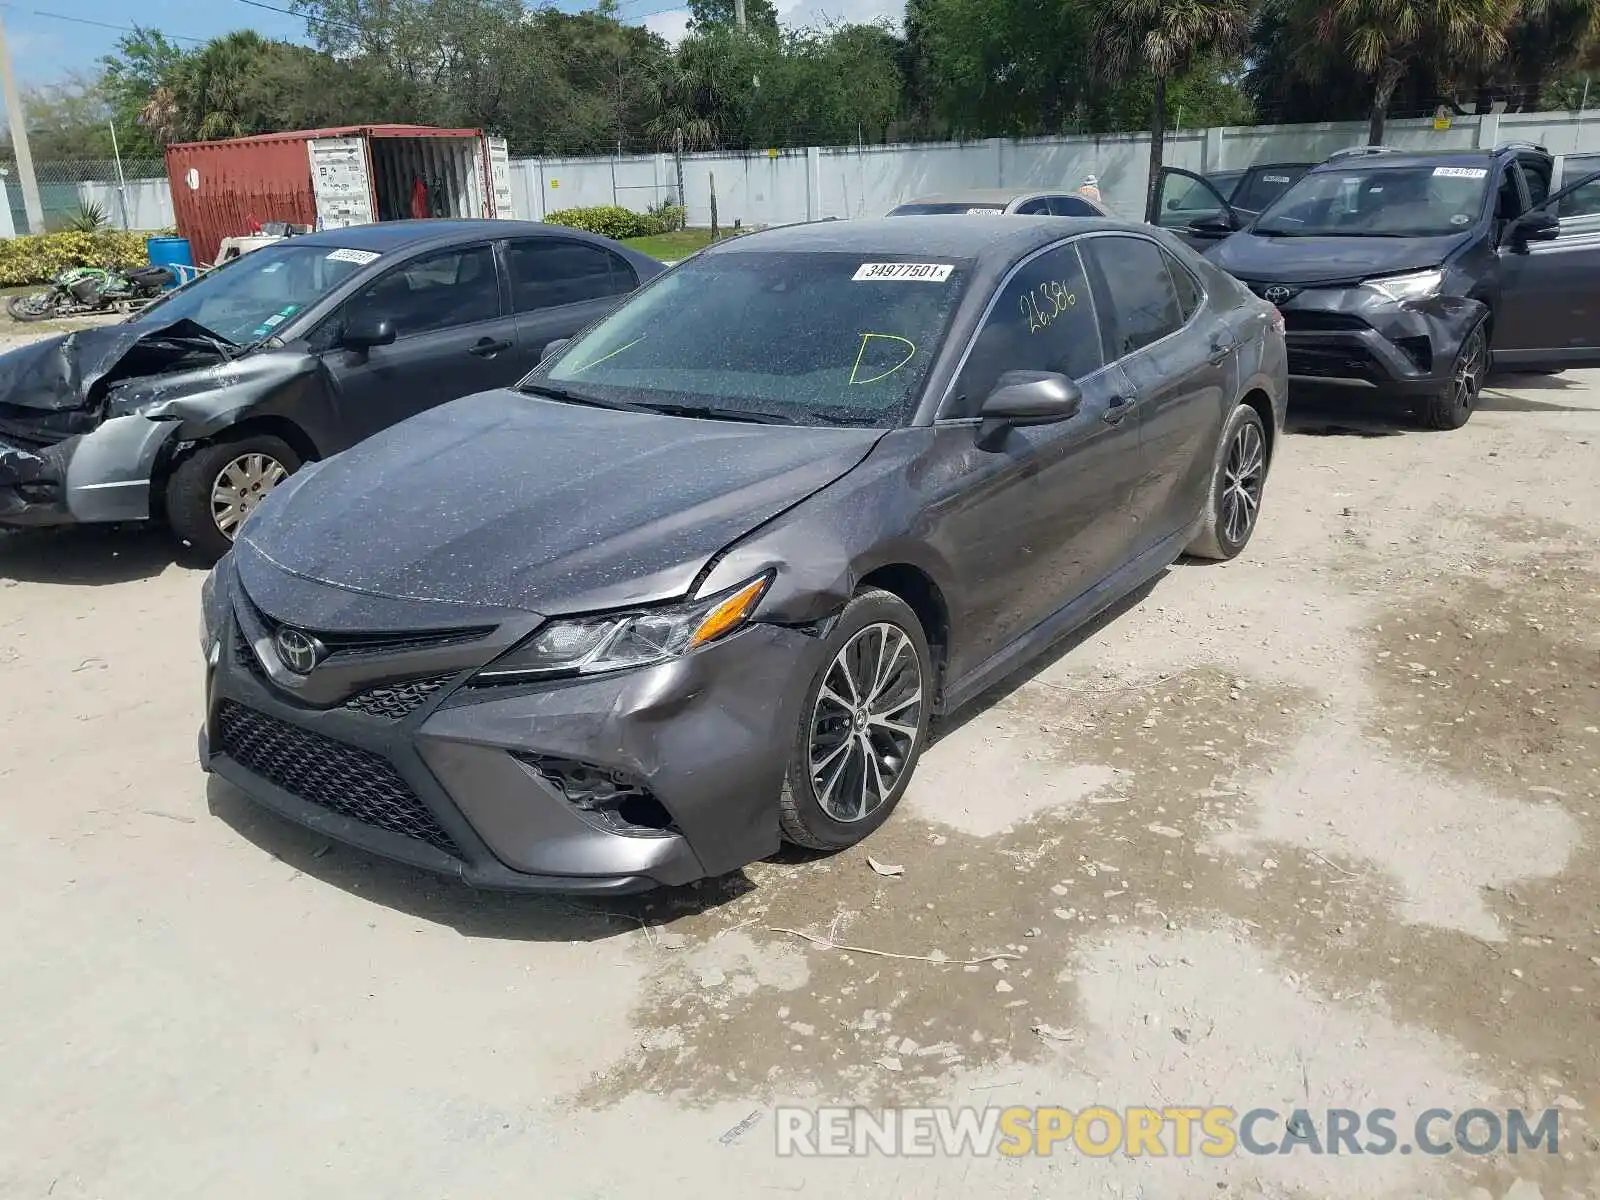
1045, 303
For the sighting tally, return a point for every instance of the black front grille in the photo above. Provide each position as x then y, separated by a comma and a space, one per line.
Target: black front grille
341, 644
395, 700
1333, 362
352, 782
1310, 320
244, 656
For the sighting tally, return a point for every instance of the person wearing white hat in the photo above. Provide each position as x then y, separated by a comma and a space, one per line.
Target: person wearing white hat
1090, 188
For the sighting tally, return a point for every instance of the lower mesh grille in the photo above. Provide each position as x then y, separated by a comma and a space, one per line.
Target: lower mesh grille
396, 700
352, 782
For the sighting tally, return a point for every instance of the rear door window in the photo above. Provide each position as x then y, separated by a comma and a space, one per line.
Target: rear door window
1140, 303
436, 291
553, 272
1043, 320
1186, 286
1072, 206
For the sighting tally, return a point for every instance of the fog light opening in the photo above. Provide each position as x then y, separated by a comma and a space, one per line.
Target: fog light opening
608, 799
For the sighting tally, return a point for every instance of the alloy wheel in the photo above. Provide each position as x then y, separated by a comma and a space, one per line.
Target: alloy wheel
1469, 370
1242, 477
866, 721
240, 486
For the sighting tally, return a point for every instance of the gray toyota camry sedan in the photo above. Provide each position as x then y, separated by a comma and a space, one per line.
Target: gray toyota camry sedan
701, 581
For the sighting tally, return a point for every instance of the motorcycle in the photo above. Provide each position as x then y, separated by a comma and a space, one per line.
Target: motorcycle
85, 291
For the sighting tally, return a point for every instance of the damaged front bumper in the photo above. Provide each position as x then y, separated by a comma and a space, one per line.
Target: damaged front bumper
1356, 337
99, 476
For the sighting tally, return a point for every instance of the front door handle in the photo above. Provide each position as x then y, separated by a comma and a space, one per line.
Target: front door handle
1120, 407
488, 347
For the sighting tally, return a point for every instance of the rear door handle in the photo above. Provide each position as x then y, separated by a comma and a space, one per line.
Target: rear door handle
1120, 407
488, 347
1220, 349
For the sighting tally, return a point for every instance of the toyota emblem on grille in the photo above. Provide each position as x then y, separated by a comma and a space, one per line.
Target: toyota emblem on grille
1278, 294
300, 652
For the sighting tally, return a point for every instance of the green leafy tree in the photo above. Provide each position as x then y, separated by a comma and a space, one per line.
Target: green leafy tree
1386, 40
760, 17
1165, 38
144, 61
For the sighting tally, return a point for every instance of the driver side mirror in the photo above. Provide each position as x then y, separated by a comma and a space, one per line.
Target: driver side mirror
1537, 226
1216, 225
1027, 398
552, 348
363, 333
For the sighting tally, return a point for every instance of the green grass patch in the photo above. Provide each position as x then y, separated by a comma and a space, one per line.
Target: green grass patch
670, 246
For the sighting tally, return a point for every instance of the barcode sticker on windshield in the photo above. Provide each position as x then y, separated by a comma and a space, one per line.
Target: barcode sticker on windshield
984, 212
360, 257
1462, 172
1274, 179
915, 272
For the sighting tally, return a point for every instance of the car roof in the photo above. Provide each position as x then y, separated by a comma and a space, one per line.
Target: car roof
988, 195
389, 236
956, 236
1380, 160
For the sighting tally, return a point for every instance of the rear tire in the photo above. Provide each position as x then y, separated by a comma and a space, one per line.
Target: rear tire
859, 736
1451, 407
1238, 480
211, 492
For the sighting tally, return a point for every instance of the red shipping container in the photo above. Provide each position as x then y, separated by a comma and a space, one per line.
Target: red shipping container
230, 188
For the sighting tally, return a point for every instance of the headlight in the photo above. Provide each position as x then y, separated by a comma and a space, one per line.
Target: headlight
1417, 286
617, 641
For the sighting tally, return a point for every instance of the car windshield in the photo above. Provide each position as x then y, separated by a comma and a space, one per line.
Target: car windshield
1410, 201
946, 210
802, 338
251, 296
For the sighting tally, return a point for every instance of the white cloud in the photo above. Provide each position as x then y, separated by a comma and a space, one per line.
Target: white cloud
671, 26
804, 14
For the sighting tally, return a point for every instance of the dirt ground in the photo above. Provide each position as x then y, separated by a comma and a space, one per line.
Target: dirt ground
1314, 828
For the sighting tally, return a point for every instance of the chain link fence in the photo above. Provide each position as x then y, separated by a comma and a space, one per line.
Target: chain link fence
69, 190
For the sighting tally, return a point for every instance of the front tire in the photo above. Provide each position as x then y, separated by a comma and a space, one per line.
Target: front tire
863, 725
1451, 407
38, 306
1237, 481
211, 492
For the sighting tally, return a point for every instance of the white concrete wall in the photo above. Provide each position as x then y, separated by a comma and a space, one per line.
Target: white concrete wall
774, 188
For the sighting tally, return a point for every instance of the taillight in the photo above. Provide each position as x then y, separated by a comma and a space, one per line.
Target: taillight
1277, 318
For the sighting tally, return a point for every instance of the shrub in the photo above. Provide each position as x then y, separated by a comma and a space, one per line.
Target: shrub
88, 217
39, 258
608, 220
666, 217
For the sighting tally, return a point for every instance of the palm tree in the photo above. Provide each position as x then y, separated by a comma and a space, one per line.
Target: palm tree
1385, 38
1163, 37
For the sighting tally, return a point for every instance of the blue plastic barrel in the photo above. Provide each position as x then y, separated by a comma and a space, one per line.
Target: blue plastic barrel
173, 253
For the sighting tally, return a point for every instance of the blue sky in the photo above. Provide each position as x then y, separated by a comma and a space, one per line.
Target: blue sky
44, 48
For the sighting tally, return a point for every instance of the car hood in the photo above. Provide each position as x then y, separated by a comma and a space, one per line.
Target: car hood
503, 500
1303, 260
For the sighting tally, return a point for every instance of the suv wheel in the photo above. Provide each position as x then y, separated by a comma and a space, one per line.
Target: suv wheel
1451, 406
212, 491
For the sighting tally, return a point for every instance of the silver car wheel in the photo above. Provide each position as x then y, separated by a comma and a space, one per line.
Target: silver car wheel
866, 722
240, 486
1241, 483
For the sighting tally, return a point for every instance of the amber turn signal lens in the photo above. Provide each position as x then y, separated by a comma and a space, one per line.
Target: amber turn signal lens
730, 613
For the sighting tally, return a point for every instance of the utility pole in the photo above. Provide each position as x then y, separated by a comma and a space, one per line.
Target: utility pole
19, 138
738, 15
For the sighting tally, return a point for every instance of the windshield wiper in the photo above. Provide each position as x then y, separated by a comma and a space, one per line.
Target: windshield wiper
566, 397
712, 412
